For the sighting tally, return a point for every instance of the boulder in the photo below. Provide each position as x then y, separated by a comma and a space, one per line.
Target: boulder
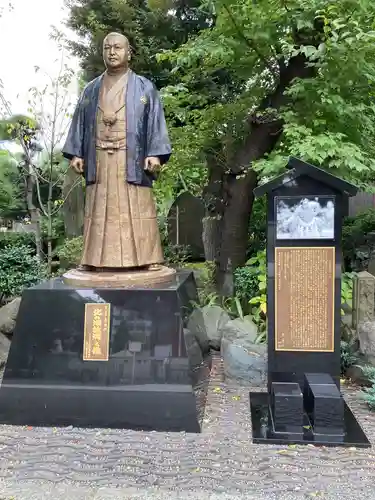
366, 337
4, 349
8, 316
244, 360
208, 323
357, 375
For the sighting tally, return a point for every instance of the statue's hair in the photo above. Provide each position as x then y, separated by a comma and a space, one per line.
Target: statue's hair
117, 34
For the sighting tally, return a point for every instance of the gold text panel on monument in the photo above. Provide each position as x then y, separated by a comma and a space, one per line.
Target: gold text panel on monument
96, 334
304, 299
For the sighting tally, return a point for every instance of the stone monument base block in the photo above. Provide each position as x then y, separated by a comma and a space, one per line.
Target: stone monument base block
116, 278
136, 408
120, 358
320, 417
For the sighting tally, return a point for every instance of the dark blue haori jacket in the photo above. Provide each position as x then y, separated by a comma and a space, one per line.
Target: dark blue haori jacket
146, 129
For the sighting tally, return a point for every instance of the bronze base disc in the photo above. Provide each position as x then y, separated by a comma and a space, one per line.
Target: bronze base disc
118, 279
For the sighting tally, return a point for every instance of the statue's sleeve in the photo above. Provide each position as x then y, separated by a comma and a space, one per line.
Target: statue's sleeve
74, 140
157, 134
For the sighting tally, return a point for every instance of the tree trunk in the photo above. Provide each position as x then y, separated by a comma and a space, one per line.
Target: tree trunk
34, 212
210, 236
237, 186
234, 230
49, 227
213, 200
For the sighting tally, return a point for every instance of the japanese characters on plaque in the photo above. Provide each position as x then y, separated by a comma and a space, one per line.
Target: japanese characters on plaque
96, 332
304, 298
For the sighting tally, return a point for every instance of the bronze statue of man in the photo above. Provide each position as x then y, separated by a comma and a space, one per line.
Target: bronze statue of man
118, 138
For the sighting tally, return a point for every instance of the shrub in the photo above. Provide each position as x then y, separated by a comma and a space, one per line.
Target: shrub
369, 392
250, 284
356, 244
10, 238
247, 279
176, 255
58, 229
348, 354
257, 227
19, 269
70, 252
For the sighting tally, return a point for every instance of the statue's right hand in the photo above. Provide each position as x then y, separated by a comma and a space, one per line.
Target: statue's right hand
77, 164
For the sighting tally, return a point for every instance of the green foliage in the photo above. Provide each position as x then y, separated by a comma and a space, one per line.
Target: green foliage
11, 199
250, 282
176, 255
246, 283
356, 245
150, 27
258, 301
348, 354
328, 111
205, 274
15, 239
58, 230
368, 393
18, 128
347, 290
205, 283
19, 269
70, 252
257, 227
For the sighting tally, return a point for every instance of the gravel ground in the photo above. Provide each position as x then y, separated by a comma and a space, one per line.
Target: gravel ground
221, 463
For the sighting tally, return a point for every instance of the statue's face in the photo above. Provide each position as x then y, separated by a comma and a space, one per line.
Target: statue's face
115, 51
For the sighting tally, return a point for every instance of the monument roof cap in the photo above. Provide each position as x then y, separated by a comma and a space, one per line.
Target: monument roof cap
297, 168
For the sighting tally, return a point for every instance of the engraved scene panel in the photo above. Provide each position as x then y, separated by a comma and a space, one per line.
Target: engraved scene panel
304, 299
305, 218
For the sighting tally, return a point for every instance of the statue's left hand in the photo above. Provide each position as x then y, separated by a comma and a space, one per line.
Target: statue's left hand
152, 163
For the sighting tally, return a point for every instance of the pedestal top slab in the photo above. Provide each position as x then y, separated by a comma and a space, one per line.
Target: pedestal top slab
176, 280
118, 278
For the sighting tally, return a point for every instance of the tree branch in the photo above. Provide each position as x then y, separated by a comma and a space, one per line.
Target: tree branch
75, 184
250, 43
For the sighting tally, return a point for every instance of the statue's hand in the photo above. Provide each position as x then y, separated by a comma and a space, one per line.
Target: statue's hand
152, 163
77, 164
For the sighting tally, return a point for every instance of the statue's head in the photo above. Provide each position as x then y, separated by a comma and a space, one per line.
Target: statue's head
116, 51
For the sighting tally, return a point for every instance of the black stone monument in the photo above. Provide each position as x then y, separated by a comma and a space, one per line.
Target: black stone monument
154, 376
185, 224
303, 404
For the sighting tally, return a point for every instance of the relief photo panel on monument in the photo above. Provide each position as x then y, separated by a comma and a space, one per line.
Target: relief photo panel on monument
305, 217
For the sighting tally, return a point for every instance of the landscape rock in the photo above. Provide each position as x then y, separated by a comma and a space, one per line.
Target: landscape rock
241, 329
8, 316
357, 375
366, 337
207, 323
4, 349
243, 359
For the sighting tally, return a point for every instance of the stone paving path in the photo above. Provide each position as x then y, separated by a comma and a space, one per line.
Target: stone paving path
221, 463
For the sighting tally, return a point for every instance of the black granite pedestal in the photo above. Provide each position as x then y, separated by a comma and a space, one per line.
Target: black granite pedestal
156, 376
313, 414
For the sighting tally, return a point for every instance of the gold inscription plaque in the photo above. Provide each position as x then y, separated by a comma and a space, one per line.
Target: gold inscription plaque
304, 299
96, 333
